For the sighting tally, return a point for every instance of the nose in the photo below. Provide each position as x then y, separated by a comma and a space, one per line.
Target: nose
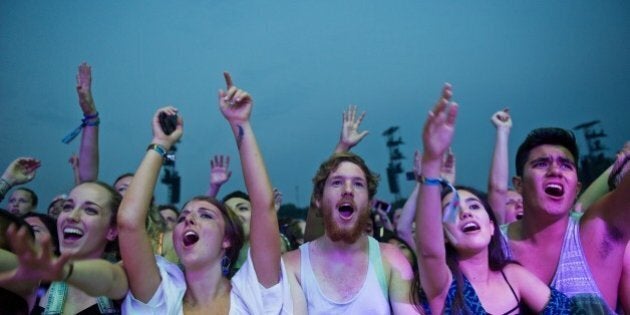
190, 219
554, 169
347, 188
74, 215
464, 212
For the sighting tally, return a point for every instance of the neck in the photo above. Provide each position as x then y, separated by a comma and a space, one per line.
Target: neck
204, 285
475, 266
540, 227
341, 247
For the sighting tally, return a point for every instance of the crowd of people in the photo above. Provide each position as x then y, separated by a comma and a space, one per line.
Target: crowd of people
544, 244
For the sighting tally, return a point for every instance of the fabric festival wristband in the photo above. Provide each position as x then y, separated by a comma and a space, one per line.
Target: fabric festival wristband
84, 122
430, 181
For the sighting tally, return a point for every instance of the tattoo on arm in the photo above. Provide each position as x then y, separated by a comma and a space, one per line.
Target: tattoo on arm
239, 138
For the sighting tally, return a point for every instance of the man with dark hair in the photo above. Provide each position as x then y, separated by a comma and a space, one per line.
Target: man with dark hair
345, 271
578, 255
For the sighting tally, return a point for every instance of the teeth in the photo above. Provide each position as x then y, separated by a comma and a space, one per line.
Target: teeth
190, 233
72, 231
470, 224
554, 186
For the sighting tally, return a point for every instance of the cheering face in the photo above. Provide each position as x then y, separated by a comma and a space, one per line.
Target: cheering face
345, 203
20, 202
549, 182
472, 229
170, 218
85, 223
199, 235
122, 184
513, 206
243, 209
39, 228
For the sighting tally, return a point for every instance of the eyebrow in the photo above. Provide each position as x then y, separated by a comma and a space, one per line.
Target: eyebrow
91, 203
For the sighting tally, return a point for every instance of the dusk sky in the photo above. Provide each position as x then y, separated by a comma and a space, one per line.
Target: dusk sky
553, 63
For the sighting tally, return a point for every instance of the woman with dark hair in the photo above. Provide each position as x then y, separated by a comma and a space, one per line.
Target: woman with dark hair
44, 226
82, 281
207, 237
461, 263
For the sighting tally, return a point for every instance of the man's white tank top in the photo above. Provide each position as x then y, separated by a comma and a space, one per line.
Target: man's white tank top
372, 298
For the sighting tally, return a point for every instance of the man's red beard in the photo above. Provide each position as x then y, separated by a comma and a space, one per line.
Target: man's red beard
348, 235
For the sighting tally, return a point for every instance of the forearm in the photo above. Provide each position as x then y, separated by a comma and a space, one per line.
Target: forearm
404, 227
213, 191
98, 277
89, 154
498, 178
597, 189
8, 260
264, 235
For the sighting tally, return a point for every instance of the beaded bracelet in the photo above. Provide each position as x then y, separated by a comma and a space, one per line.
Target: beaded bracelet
88, 120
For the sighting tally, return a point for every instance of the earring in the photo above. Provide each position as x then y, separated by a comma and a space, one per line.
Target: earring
225, 265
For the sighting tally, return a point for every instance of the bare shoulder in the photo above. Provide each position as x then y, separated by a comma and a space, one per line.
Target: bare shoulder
292, 261
394, 259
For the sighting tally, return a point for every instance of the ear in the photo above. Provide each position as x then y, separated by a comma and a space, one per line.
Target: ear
491, 227
317, 204
517, 182
112, 233
578, 189
227, 243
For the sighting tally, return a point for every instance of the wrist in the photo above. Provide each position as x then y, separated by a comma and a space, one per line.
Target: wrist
159, 149
68, 268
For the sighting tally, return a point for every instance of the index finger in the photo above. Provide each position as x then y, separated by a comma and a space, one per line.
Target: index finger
228, 79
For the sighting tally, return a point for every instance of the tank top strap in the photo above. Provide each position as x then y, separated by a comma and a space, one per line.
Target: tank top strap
375, 258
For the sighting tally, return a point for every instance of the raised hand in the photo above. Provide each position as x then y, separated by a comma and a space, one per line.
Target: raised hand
235, 104
219, 173
159, 137
35, 262
502, 119
74, 161
21, 170
440, 125
84, 89
350, 135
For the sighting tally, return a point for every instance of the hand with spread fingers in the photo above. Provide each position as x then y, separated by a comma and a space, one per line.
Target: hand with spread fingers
350, 135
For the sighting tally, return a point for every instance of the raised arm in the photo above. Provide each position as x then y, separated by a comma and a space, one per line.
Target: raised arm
219, 174
350, 135
74, 164
498, 178
236, 106
135, 247
88, 152
20, 171
614, 207
437, 136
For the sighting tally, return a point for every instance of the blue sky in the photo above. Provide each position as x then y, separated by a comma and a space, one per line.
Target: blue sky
557, 63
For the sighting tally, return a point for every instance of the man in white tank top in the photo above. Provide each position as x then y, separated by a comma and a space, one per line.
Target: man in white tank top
344, 271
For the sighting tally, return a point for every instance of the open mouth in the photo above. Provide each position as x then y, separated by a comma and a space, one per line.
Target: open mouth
519, 216
555, 190
346, 211
190, 238
470, 227
72, 234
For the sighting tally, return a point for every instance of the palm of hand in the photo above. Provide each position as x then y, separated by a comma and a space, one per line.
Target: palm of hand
218, 175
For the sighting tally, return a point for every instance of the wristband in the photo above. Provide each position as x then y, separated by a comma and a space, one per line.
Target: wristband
4, 187
70, 270
86, 121
158, 148
430, 181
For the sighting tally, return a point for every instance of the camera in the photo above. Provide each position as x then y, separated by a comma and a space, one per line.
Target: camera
381, 205
168, 122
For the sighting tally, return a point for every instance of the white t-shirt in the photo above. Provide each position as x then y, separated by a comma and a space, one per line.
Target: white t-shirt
248, 296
